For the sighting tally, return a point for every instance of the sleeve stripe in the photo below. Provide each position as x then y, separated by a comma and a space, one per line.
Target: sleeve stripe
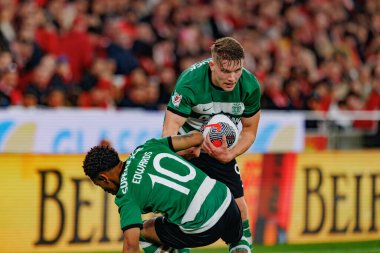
170, 142
177, 112
137, 225
250, 114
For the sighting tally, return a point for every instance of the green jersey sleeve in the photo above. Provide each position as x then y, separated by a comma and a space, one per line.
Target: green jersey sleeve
252, 97
130, 213
181, 101
166, 141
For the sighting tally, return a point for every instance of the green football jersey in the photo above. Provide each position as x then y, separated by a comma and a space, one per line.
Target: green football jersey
197, 99
155, 179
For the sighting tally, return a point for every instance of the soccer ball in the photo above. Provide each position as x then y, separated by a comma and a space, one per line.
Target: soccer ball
218, 126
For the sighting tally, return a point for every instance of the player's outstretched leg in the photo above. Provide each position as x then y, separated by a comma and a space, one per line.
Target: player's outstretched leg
149, 247
247, 233
185, 250
245, 243
240, 247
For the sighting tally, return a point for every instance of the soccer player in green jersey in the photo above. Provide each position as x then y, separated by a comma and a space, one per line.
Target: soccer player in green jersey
219, 85
197, 210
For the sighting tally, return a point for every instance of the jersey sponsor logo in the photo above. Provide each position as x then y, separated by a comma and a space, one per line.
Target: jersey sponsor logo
235, 120
233, 108
176, 99
134, 152
237, 169
197, 123
124, 182
199, 64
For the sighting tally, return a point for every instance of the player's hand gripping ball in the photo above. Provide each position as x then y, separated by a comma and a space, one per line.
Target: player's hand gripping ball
218, 126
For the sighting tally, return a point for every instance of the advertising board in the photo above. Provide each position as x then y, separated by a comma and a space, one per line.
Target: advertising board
336, 197
49, 205
75, 131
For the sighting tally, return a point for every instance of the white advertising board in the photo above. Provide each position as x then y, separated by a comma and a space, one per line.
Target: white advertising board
76, 131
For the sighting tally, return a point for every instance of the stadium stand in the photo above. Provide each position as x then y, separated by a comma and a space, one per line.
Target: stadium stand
318, 56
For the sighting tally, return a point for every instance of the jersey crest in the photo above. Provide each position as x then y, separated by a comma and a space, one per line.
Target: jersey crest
237, 108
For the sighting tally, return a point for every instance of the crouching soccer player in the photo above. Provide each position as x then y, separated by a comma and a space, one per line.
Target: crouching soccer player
196, 210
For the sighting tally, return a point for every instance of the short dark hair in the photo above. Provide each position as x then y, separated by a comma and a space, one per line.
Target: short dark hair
227, 48
99, 159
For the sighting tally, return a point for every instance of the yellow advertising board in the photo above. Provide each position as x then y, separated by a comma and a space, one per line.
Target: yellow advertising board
48, 205
336, 197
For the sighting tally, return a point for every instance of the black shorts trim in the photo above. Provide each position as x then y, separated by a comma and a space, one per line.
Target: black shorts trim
229, 228
228, 174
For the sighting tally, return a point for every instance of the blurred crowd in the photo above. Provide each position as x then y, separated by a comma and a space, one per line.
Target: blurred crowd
317, 55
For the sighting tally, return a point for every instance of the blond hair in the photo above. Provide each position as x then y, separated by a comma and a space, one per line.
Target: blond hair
227, 48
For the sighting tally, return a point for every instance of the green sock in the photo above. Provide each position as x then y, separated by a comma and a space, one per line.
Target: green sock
245, 243
149, 247
247, 232
185, 250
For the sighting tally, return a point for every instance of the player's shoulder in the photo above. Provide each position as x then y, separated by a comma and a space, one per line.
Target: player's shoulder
154, 142
194, 75
248, 81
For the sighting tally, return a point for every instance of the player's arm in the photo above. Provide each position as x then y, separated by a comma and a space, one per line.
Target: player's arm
191, 139
131, 240
247, 135
172, 123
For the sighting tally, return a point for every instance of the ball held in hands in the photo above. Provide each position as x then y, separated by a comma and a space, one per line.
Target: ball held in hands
218, 126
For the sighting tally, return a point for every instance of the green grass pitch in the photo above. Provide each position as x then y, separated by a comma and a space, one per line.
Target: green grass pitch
348, 247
